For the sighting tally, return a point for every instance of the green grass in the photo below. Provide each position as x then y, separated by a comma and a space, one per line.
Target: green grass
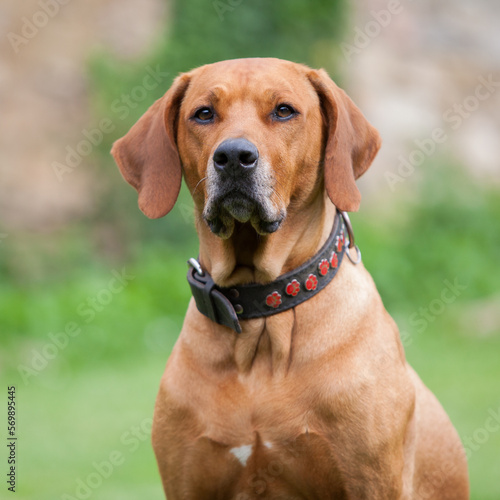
66, 428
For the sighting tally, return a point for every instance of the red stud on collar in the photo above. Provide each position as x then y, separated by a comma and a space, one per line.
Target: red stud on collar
273, 299
311, 282
293, 288
334, 260
339, 242
323, 267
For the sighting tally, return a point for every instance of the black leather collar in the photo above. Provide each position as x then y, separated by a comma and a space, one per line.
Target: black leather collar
226, 306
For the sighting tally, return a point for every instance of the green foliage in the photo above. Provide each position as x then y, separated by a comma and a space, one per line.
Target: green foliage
208, 31
447, 233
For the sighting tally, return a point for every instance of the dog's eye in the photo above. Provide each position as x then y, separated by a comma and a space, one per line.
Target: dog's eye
204, 114
284, 111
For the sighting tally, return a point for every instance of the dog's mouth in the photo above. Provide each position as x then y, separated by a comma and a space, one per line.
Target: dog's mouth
222, 212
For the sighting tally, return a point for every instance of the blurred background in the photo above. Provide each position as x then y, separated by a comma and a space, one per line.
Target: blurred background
92, 294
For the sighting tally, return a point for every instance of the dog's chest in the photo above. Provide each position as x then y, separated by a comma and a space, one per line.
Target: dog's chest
268, 434
253, 438
293, 469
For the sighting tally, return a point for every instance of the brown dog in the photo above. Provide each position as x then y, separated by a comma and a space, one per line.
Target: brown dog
316, 401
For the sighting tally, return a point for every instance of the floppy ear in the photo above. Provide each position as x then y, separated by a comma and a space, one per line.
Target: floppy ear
147, 155
351, 142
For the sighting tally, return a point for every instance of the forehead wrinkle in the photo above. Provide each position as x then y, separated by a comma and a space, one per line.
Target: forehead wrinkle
275, 94
213, 96
217, 93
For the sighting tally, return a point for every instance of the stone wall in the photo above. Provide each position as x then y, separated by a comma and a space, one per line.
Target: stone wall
423, 68
44, 97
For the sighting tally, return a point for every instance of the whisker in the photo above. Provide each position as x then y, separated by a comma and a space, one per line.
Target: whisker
199, 182
280, 199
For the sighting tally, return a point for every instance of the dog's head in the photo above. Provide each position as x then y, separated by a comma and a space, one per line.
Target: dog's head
254, 138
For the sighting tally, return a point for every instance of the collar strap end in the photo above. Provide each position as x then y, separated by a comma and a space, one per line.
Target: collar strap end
210, 301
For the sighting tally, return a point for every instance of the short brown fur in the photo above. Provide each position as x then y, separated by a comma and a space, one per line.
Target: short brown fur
321, 394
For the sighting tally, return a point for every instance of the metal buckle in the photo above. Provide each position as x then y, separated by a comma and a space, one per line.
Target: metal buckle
196, 266
350, 234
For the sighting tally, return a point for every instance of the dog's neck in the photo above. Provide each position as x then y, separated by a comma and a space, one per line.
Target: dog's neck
265, 344
247, 257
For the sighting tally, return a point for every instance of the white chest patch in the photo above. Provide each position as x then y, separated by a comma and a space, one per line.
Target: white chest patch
242, 453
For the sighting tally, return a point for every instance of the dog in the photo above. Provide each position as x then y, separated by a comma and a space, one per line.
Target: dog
288, 379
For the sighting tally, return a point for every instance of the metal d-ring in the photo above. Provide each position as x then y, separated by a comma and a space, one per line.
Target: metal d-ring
350, 234
358, 252
196, 266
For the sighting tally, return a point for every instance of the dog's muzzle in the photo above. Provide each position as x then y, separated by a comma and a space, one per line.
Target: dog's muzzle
239, 188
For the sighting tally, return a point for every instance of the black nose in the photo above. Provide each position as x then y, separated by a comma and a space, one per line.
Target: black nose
235, 156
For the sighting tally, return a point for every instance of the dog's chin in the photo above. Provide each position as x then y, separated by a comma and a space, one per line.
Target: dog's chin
221, 216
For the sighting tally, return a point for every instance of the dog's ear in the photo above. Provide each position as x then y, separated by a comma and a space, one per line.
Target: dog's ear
147, 155
351, 142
